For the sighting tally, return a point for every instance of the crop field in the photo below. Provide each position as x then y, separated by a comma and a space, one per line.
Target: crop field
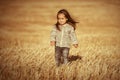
25, 51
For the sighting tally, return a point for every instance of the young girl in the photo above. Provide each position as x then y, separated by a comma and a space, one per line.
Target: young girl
62, 35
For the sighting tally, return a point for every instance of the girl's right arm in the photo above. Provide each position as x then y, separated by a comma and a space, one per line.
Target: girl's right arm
53, 37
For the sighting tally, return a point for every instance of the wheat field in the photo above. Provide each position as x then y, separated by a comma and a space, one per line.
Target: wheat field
25, 52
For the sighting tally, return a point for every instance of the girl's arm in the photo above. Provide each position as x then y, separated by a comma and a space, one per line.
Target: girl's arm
73, 38
53, 37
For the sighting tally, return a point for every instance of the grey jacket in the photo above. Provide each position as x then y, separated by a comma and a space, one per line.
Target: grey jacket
65, 37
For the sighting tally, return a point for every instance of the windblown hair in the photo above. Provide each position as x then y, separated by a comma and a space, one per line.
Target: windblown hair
70, 20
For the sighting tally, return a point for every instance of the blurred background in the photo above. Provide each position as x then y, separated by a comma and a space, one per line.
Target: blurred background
25, 18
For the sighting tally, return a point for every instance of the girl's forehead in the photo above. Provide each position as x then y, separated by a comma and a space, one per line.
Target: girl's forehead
61, 15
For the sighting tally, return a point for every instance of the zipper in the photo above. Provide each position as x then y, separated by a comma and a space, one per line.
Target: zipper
61, 41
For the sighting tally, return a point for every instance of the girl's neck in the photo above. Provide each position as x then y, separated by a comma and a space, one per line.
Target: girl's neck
63, 24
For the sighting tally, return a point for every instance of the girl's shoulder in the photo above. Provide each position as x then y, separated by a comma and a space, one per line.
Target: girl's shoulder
69, 26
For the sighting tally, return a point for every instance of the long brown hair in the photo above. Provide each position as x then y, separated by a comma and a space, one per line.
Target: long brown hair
70, 20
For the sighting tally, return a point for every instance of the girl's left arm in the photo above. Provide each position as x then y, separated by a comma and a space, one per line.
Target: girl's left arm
73, 37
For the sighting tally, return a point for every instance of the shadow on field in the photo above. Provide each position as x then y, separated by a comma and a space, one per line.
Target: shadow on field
74, 58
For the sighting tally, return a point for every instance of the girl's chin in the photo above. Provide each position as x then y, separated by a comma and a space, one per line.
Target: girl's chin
62, 23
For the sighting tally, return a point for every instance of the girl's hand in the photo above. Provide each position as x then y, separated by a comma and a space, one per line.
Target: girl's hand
52, 43
75, 45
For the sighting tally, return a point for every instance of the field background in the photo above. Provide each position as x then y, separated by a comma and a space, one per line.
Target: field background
25, 53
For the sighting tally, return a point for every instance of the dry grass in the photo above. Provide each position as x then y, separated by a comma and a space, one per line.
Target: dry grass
25, 53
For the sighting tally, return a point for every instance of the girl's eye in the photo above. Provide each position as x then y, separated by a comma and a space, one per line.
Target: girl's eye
60, 18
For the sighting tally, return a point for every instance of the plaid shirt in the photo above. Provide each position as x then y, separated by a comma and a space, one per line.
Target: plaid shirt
65, 37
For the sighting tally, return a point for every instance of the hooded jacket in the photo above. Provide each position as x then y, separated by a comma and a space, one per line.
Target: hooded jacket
65, 37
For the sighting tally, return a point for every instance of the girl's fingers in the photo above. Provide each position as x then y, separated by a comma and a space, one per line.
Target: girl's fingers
52, 43
75, 45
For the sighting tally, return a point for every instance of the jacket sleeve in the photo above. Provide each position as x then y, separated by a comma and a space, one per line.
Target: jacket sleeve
73, 36
53, 34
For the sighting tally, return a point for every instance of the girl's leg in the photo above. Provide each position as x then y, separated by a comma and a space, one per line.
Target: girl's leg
65, 54
57, 55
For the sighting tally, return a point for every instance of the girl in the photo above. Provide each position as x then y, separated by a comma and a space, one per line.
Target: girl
62, 35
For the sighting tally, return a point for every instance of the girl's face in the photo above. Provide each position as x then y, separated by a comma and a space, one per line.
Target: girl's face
61, 19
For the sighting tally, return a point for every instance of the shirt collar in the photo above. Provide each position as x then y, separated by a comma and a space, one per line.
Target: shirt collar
64, 25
